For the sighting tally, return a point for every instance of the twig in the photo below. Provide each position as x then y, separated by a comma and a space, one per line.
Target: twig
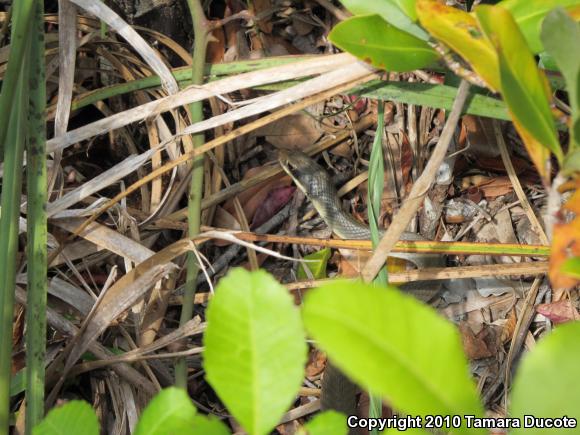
420, 188
445, 273
537, 227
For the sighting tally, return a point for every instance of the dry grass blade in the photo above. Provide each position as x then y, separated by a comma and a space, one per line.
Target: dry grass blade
537, 227
106, 238
66, 327
190, 95
101, 181
106, 14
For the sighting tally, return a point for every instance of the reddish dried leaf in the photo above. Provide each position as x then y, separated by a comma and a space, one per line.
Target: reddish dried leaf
316, 363
252, 198
276, 199
559, 312
474, 345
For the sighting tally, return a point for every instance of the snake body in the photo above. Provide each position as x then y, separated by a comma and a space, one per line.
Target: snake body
316, 184
338, 392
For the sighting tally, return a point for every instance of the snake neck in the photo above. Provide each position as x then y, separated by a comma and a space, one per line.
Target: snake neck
340, 222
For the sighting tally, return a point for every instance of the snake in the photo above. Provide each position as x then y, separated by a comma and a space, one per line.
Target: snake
338, 392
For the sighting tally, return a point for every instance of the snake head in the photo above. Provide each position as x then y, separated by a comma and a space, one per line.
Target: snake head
308, 175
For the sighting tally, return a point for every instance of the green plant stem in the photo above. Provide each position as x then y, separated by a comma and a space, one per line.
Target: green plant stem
37, 230
22, 11
200, 29
375, 192
10, 212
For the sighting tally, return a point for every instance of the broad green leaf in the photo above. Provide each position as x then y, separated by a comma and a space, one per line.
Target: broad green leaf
209, 425
317, 262
523, 86
254, 348
409, 7
460, 31
326, 423
529, 14
169, 412
395, 346
371, 38
561, 37
392, 11
75, 417
571, 267
546, 381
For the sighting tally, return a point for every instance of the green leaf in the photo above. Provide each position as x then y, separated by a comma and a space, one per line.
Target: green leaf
529, 14
75, 417
571, 267
409, 7
545, 383
169, 412
326, 423
395, 346
426, 94
255, 349
392, 12
204, 425
317, 262
372, 39
376, 184
561, 37
523, 86
572, 160
459, 31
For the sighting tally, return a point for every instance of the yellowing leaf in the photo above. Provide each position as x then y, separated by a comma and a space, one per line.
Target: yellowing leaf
460, 31
539, 154
523, 86
565, 246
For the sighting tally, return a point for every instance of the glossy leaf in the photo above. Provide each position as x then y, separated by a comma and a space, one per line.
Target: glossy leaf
326, 423
75, 417
255, 349
209, 425
399, 13
545, 385
373, 40
395, 346
170, 411
523, 86
409, 7
561, 37
317, 262
459, 31
529, 15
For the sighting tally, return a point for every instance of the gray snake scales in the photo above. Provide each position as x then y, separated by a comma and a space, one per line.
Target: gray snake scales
338, 392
